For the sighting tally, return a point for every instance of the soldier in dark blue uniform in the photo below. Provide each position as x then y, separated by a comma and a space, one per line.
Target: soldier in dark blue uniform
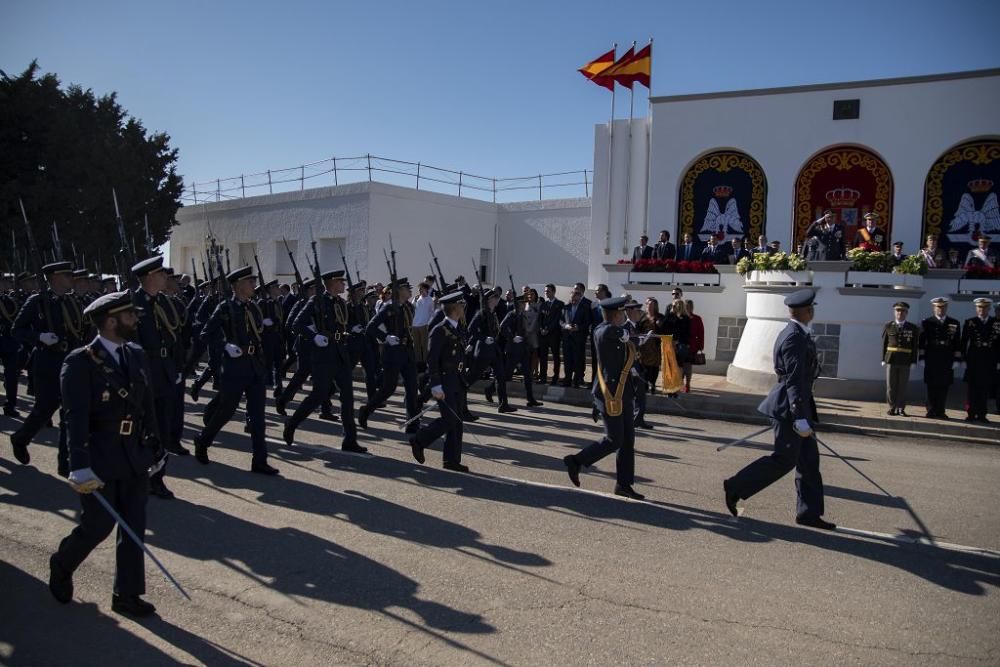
113, 441
213, 345
238, 323
516, 355
157, 333
940, 351
981, 352
324, 322
53, 323
792, 411
391, 328
633, 311
359, 344
484, 327
301, 349
444, 371
10, 350
273, 335
613, 398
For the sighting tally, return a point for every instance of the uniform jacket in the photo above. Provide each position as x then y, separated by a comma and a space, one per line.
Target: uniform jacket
62, 316
110, 416
325, 314
444, 359
550, 317
241, 324
665, 250
616, 359
642, 252
980, 348
940, 346
900, 343
797, 366
158, 333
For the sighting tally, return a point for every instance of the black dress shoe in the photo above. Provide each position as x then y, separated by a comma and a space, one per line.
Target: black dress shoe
279, 407
353, 447
902, 413
814, 522
201, 453
363, 413
20, 448
329, 416
159, 489
456, 467
595, 415
891, 412
572, 469
60, 581
535, 404
417, 450
288, 434
969, 418
131, 605
10, 411
488, 393
177, 448
263, 469
642, 424
467, 416
731, 498
628, 492
504, 408
195, 389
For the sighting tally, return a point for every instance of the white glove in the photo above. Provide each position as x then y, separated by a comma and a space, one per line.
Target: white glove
883, 364
625, 336
391, 340
518, 339
468, 349
268, 322
489, 340
84, 480
312, 327
180, 378
48, 338
437, 391
357, 328
233, 351
802, 427
319, 340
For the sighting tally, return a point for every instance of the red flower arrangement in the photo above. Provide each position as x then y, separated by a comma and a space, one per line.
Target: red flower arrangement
624, 261
870, 247
672, 266
983, 272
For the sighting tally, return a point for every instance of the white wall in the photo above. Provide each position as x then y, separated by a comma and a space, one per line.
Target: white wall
909, 125
544, 241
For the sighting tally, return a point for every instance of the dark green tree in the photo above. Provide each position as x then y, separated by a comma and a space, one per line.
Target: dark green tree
62, 150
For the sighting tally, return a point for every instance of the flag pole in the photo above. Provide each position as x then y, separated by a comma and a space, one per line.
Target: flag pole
649, 140
628, 162
611, 162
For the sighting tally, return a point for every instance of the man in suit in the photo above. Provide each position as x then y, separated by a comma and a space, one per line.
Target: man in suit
549, 335
613, 396
113, 440
575, 329
642, 251
981, 351
737, 251
899, 351
714, 252
761, 247
940, 346
664, 249
792, 411
690, 250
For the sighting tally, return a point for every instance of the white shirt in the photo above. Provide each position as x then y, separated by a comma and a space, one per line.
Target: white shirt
423, 310
453, 323
808, 330
112, 348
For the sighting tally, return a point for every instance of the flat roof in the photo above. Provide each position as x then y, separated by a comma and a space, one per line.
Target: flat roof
872, 83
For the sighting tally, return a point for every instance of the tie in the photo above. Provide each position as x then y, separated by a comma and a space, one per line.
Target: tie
121, 360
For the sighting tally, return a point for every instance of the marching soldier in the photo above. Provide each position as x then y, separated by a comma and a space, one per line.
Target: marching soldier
52, 322
360, 346
391, 328
113, 441
323, 320
238, 323
444, 369
634, 314
941, 350
485, 353
274, 325
517, 356
157, 332
614, 399
792, 411
899, 352
10, 351
981, 352
211, 370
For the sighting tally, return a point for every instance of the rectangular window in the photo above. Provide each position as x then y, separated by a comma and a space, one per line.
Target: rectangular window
846, 109
484, 264
329, 253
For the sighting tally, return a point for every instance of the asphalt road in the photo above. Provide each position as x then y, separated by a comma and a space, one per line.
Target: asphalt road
350, 559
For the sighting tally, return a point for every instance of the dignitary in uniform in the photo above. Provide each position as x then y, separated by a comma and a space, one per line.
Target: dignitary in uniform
51, 322
940, 345
613, 395
324, 322
239, 324
981, 352
113, 440
982, 256
444, 371
830, 237
899, 351
870, 235
792, 411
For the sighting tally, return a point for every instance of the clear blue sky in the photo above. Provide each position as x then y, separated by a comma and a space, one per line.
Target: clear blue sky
490, 88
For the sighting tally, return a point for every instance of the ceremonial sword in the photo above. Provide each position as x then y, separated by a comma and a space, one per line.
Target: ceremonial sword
736, 442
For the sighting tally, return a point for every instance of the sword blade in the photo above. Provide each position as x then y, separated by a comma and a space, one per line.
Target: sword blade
741, 440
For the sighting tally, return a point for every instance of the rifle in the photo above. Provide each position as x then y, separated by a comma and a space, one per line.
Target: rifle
512, 288
43, 294
229, 267
260, 274
295, 267
482, 300
394, 275
194, 274
127, 278
149, 238
437, 265
56, 243
347, 271
16, 264
320, 286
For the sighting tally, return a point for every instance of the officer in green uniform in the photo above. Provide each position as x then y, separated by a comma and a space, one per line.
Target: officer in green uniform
899, 352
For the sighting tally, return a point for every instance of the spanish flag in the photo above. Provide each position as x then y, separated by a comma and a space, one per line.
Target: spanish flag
594, 68
632, 68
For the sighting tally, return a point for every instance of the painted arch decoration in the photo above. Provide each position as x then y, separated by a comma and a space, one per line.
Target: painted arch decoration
724, 193
848, 180
960, 195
